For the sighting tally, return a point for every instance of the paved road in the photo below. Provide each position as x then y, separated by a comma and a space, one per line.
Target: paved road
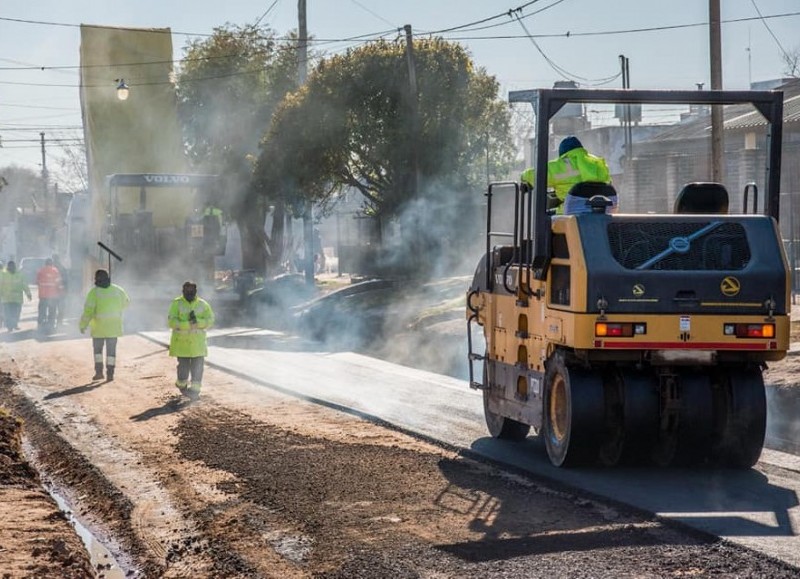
757, 508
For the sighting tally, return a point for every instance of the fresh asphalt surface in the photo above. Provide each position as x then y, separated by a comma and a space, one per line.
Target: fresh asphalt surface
757, 508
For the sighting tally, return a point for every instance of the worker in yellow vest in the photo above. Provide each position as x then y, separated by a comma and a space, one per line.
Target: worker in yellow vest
189, 317
102, 313
573, 165
12, 286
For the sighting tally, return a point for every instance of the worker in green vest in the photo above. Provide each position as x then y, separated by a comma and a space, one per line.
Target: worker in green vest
189, 317
102, 313
573, 165
12, 285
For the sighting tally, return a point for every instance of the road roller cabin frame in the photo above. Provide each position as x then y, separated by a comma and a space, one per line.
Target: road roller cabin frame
633, 338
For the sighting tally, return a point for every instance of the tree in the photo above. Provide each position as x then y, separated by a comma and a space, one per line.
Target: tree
791, 61
21, 189
229, 84
351, 126
72, 173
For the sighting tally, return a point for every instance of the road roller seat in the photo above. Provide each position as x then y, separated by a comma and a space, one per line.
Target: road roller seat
702, 197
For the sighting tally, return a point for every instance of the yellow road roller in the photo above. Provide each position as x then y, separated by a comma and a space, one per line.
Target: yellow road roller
637, 333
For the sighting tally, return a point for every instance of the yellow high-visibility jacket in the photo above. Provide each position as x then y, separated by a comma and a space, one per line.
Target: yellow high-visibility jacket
574, 166
102, 311
187, 340
12, 286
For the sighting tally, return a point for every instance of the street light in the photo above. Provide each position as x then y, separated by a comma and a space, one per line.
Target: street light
122, 89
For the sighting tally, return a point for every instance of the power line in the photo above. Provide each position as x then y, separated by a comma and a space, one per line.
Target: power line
265, 13
49, 140
512, 13
570, 34
778, 42
170, 31
483, 20
15, 105
358, 39
375, 14
29, 127
560, 70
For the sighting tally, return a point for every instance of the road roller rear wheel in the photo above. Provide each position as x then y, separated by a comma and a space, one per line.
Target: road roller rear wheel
696, 423
613, 446
688, 440
573, 414
640, 411
499, 426
741, 415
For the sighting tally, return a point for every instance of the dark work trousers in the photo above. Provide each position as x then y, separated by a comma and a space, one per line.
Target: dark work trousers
193, 367
11, 311
111, 351
47, 311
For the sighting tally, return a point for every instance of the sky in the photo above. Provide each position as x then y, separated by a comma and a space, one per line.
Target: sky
666, 42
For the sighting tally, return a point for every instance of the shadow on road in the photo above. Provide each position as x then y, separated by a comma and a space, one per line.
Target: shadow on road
88, 387
514, 520
169, 407
726, 502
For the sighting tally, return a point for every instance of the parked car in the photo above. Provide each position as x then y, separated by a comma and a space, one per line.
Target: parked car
270, 305
351, 316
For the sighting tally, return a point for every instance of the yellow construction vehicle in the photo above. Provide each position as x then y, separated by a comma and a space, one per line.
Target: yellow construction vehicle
637, 337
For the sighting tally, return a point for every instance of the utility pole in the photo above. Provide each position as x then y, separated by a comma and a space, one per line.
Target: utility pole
717, 144
302, 72
414, 108
414, 112
626, 116
749, 62
45, 176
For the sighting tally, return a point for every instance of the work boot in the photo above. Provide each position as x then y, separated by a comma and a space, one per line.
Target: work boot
98, 372
110, 373
182, 386
193, 392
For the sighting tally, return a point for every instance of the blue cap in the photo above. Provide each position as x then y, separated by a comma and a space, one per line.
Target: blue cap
568, 144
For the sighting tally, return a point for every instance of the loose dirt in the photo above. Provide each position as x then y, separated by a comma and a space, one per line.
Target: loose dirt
251, 483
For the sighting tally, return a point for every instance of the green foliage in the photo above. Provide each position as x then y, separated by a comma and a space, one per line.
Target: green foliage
351, 125
229, 85
21, 188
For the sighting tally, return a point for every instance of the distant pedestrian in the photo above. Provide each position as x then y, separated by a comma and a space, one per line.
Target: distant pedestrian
189, 318
12, 285
48, 280
102, 312
63, 298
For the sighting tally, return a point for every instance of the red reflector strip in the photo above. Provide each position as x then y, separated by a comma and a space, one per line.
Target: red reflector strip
686, 345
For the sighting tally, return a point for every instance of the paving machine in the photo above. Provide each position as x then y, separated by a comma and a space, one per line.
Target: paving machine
159, 223
637, 336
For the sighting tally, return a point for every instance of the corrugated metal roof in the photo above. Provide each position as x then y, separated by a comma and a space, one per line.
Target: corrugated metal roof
791, 114
737, 117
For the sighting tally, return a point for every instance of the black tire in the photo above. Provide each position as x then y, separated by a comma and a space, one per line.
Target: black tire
741, 415
695, 430
500, 426
613, 446
691, 441
637, 427
573, 413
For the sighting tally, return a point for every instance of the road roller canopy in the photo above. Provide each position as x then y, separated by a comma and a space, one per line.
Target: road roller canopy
659, 147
